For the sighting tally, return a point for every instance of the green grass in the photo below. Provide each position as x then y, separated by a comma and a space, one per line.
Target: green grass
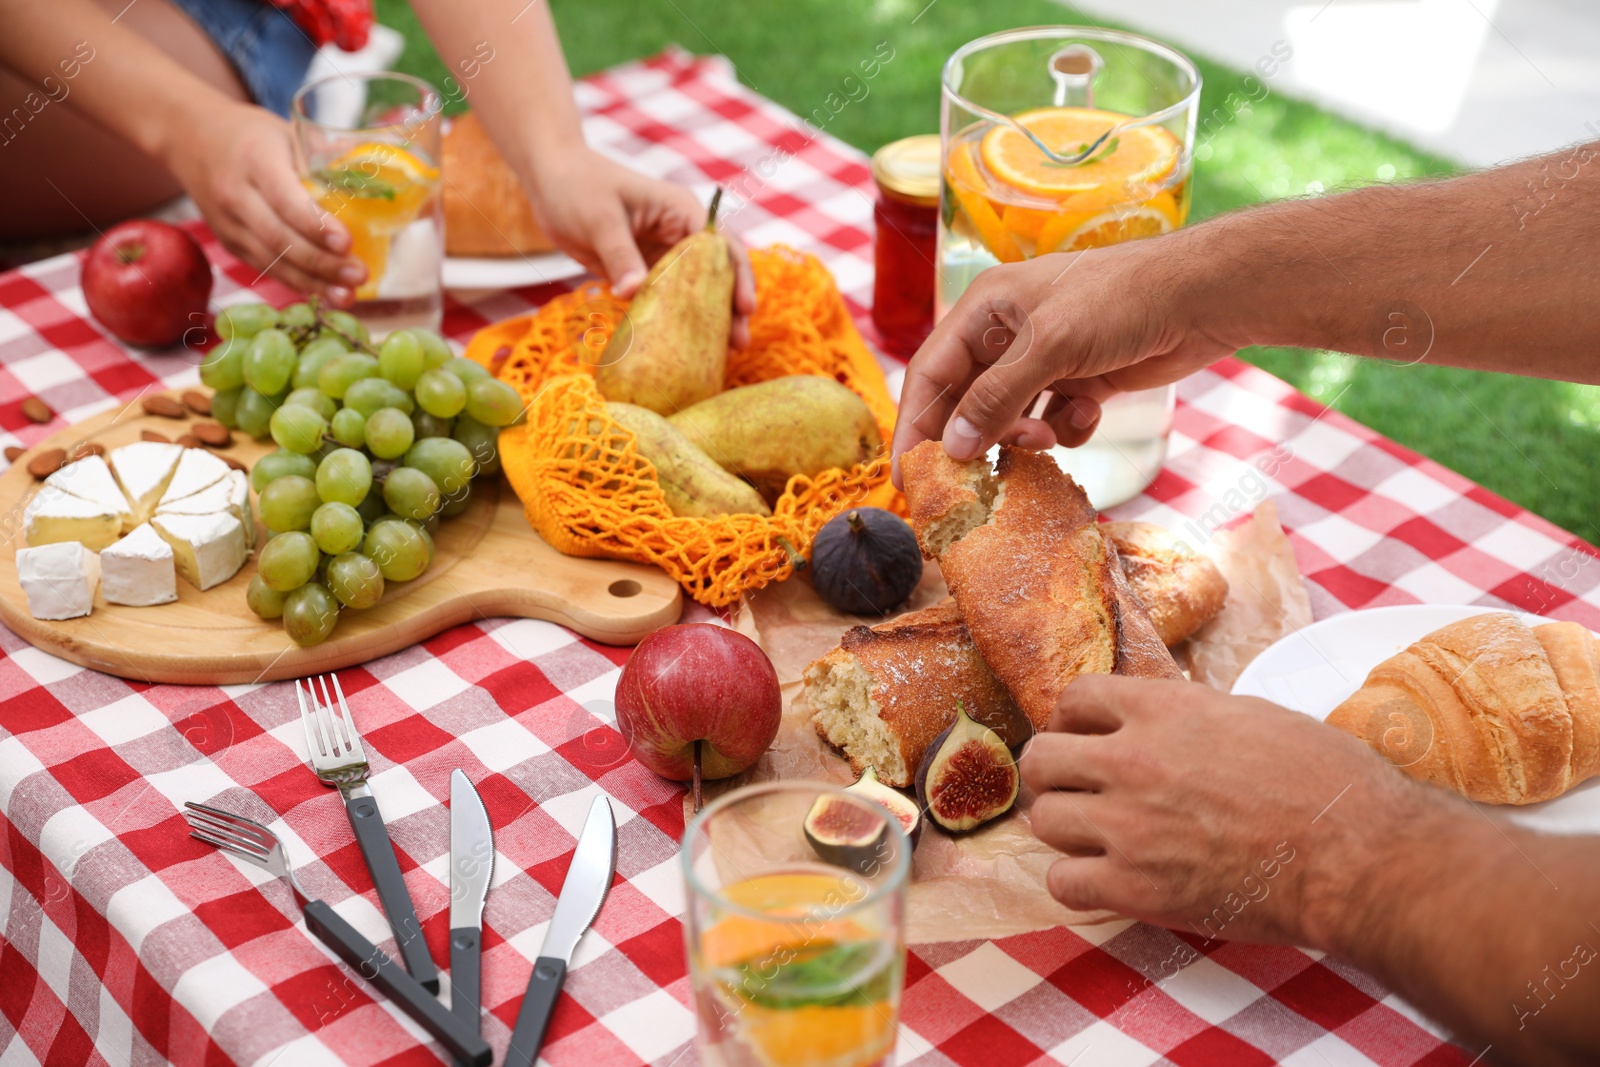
1527, 440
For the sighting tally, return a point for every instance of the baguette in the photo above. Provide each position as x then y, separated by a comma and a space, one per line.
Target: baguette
1181, 589
887, 691
1040, 588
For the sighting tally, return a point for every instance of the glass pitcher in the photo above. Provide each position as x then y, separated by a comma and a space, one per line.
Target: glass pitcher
1063, 139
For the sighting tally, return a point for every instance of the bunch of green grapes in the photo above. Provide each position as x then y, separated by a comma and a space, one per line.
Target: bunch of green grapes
375, 447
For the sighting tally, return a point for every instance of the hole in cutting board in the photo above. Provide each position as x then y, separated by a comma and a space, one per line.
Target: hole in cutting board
625, 587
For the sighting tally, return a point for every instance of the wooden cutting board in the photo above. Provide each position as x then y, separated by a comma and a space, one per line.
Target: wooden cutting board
488, 562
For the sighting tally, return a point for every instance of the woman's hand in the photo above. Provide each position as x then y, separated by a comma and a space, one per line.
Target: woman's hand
616, 221
237, 162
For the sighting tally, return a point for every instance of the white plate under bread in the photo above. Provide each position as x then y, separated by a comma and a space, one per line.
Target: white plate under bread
1315, 669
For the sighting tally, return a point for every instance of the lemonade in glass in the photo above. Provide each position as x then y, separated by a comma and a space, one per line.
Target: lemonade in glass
1067, 139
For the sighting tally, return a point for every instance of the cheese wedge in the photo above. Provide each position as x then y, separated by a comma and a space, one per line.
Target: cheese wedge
53, 516
58, 579
197, 470
143, 469
138, 570
90, 479
208, 549
229, 496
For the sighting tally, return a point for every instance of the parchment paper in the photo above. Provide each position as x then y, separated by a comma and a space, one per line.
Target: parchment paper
990, 883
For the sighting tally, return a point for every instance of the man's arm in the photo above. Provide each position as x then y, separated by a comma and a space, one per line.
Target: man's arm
1497, 271
1231, 818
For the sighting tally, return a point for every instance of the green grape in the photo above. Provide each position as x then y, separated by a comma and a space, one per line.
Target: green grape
493, 403
411, 493
254, 413
427, 425
435, 349
370, 394
389, 433
440, 393
313, 357
400, 551
349, 427
225, 406
445, 460
347, 323
275, 465
372, 508
455, 505
296, 315
309, 614
344, 477
298, 429
337, 528
223, 367
288, 502
244, 320
356, 580
288, 561
467, 370
264, 600
270, 362
342, 372
315, 399
400, 359
483, 442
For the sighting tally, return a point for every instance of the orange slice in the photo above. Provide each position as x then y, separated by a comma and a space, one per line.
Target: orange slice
1141, 156
967, 185
1107, 228
815, 1036
376, 190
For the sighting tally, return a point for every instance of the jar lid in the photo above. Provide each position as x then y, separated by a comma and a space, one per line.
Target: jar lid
909, 169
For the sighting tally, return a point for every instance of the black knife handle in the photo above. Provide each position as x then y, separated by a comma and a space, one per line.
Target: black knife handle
464, 1042
537, 1004
466, 954
378, 851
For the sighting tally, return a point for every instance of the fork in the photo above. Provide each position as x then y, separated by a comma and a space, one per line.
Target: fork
339, 760
256, 844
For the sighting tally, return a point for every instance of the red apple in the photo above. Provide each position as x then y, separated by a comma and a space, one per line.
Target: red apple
147, 282
698, 682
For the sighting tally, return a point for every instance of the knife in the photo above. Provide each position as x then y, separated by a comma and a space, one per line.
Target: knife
588, 880
471, 868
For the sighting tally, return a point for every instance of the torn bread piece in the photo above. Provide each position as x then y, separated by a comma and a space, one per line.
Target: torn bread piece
1181, 589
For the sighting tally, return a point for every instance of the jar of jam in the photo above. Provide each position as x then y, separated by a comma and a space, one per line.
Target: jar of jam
907, 218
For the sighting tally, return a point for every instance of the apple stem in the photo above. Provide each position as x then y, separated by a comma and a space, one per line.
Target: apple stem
697, 803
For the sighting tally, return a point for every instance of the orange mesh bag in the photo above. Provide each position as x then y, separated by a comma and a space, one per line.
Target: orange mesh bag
579, 474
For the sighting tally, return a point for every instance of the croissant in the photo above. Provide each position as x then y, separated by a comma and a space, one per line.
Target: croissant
1499, 712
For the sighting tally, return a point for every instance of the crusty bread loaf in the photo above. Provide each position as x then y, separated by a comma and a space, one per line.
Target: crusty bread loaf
1039, 587
485, 211
887, 691
1501, 713
1181, 589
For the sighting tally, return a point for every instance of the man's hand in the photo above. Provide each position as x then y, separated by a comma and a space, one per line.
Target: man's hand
237, 162
616, 221
1081, 326
1227, 816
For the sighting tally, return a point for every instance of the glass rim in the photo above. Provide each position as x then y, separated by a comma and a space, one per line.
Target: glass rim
875, 894
1096, 33
432, 103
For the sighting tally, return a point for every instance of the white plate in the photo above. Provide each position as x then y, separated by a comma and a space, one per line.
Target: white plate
1313, 670
509, 272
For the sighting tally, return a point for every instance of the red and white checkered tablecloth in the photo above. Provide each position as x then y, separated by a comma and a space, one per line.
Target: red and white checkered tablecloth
127, 942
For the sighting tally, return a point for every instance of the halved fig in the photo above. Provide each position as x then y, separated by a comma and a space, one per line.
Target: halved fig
848, 836
967, 776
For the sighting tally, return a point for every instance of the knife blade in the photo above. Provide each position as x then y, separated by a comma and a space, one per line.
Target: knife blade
471, 869
594, 863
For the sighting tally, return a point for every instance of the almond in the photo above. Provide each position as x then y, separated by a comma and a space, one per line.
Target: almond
151, 435
37, 410
235, 464
88, 448
189, 440
212, 433
14, 453
197, 402
47, 462
162, 405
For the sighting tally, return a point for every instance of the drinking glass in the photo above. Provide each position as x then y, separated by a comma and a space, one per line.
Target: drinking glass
1064, 139
369, 155
796, 943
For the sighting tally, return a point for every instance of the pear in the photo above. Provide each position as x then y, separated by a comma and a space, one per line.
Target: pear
671, 349
691, 482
